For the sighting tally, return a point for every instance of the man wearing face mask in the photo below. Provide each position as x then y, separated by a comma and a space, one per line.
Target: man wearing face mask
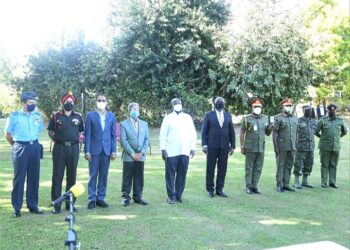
177, 142
100, 149
304, 158
218, 141
329, 129
284, 141
22, 130
254, 127
134, 138
64, 129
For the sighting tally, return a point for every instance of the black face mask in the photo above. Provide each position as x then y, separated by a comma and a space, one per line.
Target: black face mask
219, 105
331, 114
68, 106
307, 113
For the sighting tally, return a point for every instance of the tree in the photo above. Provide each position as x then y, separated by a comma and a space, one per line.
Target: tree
166, 49
268, 59
328, 25
77, 66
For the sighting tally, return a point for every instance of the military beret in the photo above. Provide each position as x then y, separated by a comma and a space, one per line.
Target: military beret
287, 101
256, 101
27, 95
67, 95
332, 107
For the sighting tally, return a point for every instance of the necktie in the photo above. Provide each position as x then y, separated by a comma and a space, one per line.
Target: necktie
221, 118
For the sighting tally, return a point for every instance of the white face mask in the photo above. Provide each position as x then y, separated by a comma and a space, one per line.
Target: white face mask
288, 109
178, 107
257, 110
101, 105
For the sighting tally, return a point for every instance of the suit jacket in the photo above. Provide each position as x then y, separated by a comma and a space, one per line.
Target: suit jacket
97, 139
214, 136
134, 141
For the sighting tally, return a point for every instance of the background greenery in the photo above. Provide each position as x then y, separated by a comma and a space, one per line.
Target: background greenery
195, 50
239, 222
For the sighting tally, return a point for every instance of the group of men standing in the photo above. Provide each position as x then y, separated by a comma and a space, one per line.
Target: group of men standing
293, 141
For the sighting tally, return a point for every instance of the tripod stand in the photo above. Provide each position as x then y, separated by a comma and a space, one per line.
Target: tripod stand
71, 240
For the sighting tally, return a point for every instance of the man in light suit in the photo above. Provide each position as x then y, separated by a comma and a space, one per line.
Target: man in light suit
218, 141
100, 148
134, 138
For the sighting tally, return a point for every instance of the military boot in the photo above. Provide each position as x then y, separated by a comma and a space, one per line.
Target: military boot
296, 182
304, 183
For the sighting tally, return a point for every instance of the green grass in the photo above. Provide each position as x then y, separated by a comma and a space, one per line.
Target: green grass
239, 222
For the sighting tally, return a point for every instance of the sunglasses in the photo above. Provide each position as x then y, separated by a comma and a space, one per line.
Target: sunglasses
101, 100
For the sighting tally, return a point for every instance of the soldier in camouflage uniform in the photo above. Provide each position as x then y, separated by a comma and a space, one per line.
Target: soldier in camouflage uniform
329, 129
252, 137
304, 158
284, 141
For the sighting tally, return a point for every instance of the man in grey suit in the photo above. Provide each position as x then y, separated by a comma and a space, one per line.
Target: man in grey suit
134, 138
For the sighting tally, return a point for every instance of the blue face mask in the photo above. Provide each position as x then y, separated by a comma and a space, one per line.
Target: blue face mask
30, 107
134, 114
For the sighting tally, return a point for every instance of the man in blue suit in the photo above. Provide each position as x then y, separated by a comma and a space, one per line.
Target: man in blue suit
218, 141
100, 148
134, 138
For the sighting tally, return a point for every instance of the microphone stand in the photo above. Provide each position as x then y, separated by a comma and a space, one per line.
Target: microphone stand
71, 240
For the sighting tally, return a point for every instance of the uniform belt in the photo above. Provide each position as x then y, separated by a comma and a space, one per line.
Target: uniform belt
67, 143
26, 142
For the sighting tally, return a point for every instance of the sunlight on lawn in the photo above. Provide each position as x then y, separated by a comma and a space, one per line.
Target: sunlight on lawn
114, 217
288, 222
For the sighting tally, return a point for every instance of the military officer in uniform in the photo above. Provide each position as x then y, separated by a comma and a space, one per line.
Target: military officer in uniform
284, 141
254, 127
64, 129
22, 130
304, 158
329, 129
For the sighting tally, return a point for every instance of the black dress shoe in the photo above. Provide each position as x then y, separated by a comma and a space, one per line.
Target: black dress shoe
125, 202
91, 205
333, 185
221, 194
170, 201
256, 191
249, 191
141, 201
324, 185
16, 214
101, 203
210, 194
56, 211
179, 199
36, 210
280, 189
288, 188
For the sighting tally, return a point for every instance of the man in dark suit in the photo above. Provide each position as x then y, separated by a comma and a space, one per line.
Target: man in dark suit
218, 141
100, 148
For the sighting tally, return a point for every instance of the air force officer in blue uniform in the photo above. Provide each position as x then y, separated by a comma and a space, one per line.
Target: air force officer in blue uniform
100, 148
22, 130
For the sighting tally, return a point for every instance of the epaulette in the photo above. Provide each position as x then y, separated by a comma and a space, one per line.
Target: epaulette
77, 113
246, 116
264, 116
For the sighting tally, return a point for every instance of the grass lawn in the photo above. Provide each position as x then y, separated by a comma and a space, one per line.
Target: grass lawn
239, 222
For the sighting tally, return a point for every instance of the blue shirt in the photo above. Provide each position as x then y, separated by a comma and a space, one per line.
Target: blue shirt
24, 126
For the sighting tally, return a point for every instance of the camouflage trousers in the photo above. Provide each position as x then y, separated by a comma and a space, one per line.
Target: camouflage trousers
304, 160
